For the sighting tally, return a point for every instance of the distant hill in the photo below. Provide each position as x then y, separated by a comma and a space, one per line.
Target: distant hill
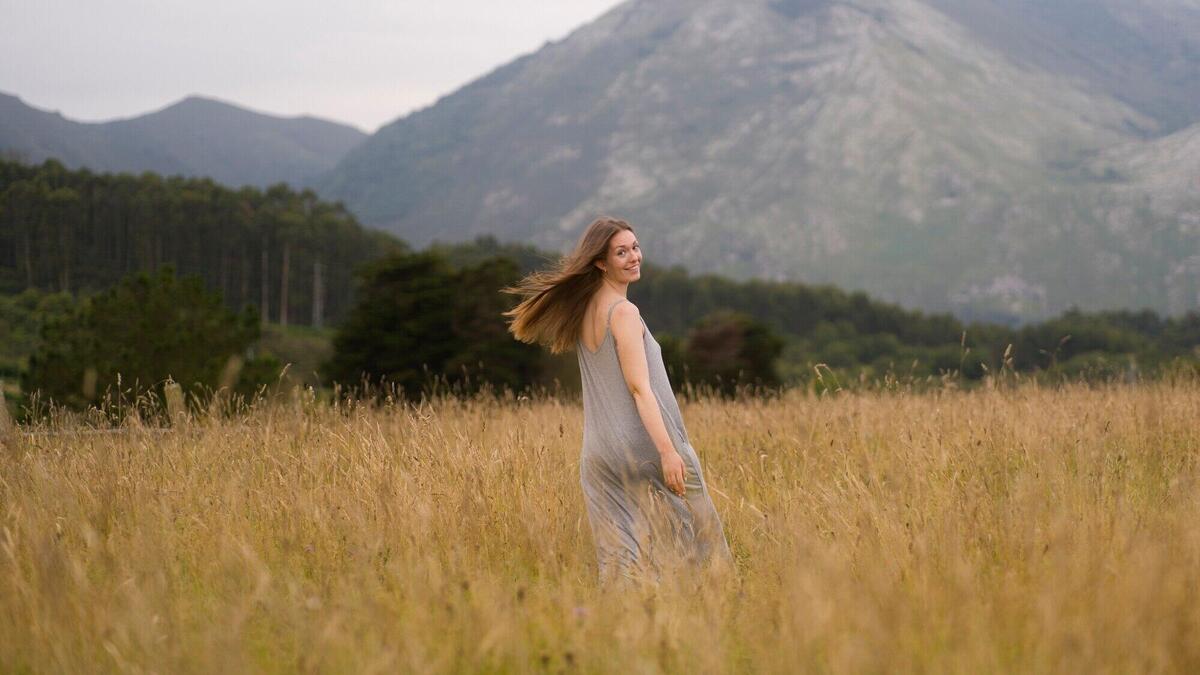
194, 137
942, 158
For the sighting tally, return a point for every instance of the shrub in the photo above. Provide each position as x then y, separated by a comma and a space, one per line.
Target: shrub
137, 334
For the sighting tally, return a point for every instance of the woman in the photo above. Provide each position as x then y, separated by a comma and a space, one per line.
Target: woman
647, 501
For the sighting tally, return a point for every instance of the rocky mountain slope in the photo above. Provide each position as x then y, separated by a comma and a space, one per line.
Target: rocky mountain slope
1143, 52
884, 145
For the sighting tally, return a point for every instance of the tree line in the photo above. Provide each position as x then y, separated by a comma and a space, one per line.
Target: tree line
286, 252
856, 335
404, 317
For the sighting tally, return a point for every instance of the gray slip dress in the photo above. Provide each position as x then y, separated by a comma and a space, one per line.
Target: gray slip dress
640, 528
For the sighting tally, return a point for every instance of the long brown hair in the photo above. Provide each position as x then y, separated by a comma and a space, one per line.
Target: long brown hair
552, 312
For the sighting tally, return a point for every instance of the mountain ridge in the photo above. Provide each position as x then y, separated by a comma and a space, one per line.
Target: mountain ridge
194, 136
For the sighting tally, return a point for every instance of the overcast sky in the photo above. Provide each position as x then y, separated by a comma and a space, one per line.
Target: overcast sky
364, 62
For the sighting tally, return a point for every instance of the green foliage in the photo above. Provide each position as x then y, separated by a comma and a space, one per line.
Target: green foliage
418, 320
1095, 365
436, 315
81, 231
400, 327
730, 349
302, 348
674, 357
21, 319
853, 336
1075, 333
486, 247
130, 338
489, 352
677, 300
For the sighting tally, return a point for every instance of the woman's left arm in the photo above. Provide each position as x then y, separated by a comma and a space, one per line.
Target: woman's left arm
626, 326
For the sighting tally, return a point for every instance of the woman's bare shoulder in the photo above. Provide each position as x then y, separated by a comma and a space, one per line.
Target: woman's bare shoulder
626, 320
627, 309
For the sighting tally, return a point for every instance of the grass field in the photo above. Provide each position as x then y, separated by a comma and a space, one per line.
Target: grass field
1006, 529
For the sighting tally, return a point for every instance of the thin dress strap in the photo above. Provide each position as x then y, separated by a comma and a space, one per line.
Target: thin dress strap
607, 330
608, 321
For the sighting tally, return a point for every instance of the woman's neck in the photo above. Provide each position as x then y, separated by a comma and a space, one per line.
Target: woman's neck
621, 289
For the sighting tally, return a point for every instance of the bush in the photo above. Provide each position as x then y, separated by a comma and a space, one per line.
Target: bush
21, 319
137, 334
400, 326
727, 349
417, 321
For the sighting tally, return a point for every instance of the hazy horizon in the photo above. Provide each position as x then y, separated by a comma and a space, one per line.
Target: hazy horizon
364, 67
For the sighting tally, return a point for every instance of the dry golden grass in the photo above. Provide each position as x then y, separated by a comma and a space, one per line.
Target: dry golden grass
1000, 530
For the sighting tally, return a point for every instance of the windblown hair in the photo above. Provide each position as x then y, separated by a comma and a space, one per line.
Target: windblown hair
551, 313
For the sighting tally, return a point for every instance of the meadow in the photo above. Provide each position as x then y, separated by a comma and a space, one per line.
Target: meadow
1009, 528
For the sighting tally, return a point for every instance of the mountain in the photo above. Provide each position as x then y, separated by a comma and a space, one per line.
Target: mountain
1154, 192
890, 146
1143, 52
194, 137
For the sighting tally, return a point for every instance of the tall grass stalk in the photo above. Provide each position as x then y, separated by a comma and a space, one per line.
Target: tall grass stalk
1016, 528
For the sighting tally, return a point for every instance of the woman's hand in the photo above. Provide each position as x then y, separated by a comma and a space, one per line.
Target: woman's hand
673, 474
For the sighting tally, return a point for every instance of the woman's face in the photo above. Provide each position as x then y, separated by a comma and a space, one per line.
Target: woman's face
623, 264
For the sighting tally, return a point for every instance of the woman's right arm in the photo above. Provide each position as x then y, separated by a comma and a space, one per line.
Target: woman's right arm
626, 327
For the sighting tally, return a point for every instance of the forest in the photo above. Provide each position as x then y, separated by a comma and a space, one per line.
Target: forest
304, 264
286, 252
